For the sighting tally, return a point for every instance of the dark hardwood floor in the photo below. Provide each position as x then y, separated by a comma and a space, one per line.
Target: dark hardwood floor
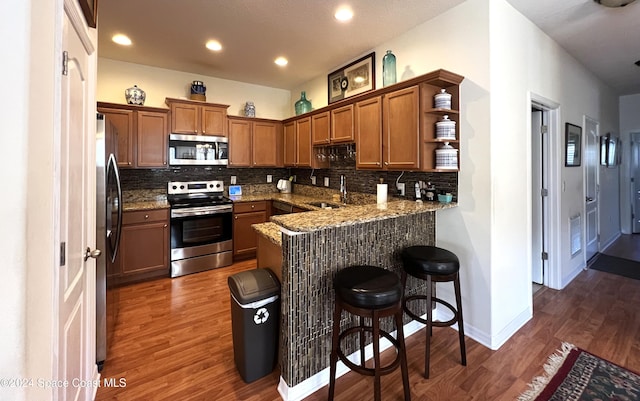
172, 341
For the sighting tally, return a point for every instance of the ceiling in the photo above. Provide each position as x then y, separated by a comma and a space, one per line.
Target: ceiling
171, 34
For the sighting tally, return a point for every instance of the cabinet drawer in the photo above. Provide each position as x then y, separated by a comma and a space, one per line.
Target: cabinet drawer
145, 216
244, 207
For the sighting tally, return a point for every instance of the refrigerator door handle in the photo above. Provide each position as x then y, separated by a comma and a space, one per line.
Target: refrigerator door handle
112, 166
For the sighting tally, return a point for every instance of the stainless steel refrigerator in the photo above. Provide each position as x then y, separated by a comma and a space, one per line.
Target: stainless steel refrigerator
108, 226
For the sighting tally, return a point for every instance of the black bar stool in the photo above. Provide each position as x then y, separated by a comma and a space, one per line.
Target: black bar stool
372, 292
434, 264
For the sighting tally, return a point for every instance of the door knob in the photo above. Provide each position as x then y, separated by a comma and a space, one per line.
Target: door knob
589, 199
92, 254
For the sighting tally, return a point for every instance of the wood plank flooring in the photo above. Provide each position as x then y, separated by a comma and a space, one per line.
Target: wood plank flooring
172, 341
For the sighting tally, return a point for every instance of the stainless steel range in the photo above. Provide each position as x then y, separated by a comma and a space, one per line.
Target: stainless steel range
201, 226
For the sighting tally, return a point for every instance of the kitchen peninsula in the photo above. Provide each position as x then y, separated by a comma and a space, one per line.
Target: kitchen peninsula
313, 247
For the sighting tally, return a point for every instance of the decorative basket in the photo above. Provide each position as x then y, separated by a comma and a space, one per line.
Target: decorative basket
195, 96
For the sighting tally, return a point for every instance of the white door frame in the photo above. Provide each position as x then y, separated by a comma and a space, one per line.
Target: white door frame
539, 183
552, 276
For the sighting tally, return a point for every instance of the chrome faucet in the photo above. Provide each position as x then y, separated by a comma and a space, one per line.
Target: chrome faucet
343, 189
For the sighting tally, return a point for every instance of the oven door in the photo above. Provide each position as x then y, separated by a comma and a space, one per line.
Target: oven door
199, 231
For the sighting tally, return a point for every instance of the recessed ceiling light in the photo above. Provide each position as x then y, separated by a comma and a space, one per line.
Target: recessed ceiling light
614, 3
121, 39
281, 61
343, 14
214, 45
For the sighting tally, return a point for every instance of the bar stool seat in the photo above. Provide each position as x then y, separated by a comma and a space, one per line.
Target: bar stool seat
368, 292
434, 264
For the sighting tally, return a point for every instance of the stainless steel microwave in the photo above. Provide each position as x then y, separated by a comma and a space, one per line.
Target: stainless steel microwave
199, 150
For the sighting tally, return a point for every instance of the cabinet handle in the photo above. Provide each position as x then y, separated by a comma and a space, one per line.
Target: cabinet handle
165, 226
235, 217
377, 163
146, 216
196, 131
129, 163
253, 206
386, 163
203, 132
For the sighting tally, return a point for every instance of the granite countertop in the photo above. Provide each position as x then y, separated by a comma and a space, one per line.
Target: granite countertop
301, 201
316, 220
144, 200
271, 231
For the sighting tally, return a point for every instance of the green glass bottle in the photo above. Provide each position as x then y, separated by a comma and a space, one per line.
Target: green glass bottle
388, 69
303, 105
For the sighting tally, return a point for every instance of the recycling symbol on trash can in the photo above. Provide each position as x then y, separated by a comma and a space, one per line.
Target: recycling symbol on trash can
261, 316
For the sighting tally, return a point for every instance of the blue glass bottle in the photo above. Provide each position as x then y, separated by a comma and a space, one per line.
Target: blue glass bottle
388, 69
303, 105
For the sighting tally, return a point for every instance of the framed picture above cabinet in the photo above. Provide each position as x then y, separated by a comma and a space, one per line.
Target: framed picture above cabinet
353, 79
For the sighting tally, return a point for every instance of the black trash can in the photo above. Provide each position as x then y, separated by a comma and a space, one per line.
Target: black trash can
255, 322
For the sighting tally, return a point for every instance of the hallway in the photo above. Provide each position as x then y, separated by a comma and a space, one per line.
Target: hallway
626, 247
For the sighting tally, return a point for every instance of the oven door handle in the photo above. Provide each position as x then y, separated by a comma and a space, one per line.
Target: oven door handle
201, 211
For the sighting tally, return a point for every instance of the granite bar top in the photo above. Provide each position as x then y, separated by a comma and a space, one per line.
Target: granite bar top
144, 200
269, 230
344, 216
301, 201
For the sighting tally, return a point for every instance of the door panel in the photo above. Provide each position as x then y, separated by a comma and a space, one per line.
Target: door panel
635, 185
537, 207
591, 188
75, 336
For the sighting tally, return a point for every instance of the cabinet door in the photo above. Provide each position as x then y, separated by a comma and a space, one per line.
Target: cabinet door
264, 145
342, 124
320, 128
401, 133
152, 139
144, 248
290, 144
244, 237
122, 120
239, 143
214, 120
185, 118
368, 127
303, 137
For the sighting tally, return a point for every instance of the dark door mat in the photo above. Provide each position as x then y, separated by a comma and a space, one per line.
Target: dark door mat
615, 265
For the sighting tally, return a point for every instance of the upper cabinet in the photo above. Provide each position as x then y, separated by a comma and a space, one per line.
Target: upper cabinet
255, 142
142, 134
298, 150
192, 117
394, 127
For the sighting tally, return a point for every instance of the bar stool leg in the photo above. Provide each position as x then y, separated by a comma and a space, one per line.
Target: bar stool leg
463, 350
337, 314
403, 357
429, 328
376, 355
362, 335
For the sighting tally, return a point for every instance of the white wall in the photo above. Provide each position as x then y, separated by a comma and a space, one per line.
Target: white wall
14, 24
158, 83
629, 123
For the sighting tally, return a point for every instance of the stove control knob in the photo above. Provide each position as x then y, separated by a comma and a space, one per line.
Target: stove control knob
181, 186
210, 185
217, 185
174, 187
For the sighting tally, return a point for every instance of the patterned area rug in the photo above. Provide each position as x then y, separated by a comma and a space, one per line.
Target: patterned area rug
573, 374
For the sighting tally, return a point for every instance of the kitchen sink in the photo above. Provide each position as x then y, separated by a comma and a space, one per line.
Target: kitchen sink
325, 205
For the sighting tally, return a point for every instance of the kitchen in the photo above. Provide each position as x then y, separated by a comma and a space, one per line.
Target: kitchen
466, 227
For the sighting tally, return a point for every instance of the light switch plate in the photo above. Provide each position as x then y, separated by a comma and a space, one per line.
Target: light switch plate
313, 180
233, 180
326, 181
269, 178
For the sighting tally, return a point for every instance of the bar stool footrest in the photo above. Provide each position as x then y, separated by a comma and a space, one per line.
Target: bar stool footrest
359, 368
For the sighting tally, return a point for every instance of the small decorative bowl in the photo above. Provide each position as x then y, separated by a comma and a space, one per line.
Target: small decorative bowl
445, 198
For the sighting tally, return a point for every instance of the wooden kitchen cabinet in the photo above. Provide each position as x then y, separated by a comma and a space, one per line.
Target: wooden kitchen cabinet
387, 131
244, 237
142, 134
342, 124
144, 247
298, 150
192, 117
321, 128
255, 143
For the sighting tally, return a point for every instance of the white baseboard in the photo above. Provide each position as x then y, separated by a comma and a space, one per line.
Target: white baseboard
321, 379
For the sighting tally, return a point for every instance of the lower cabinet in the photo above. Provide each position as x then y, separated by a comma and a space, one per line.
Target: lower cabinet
244, 237
144, 247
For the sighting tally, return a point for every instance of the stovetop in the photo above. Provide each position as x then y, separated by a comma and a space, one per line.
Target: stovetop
196, 193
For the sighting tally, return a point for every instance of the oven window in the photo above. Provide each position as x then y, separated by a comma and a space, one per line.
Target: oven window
200, 230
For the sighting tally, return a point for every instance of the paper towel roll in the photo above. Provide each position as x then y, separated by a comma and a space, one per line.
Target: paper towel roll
382, 193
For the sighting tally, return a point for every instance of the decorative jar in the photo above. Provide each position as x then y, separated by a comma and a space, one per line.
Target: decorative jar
135, 95
303, 105
388, 69
249, 109
443, 100
447, 157
445, 128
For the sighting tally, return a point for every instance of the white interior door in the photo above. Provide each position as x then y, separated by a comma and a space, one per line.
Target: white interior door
591, 187
538, 190
76, 328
